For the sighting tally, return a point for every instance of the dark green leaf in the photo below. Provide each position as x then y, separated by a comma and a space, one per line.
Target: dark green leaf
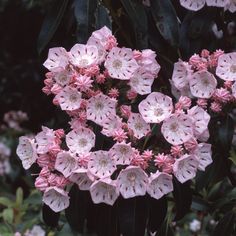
132, 214
157, 213
85, 17
51, 23
76, 212
225, 225
183, 198
50, 217
166, 20
138, 16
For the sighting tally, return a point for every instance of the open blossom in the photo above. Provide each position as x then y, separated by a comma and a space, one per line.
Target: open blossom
57, 58
132, 182
80, 140
100, 107
177, 129
104, 190
120, 63
137, 124
57, 199
156, 107
69, 98
111, 125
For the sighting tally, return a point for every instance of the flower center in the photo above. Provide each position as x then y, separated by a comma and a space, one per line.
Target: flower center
73, 98
131, 176
158, 112
174, 127
83, 62
138, 126
117, 64
83, 142
205, 82
123, 150
233, 67
103, 162
99, 106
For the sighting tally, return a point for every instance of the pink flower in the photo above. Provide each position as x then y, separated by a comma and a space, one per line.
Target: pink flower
26, 151
176, 151
83, 56
222, 95
57, 58
83, 82
203, 153
91, 71
100, 107
183, 103
122, 153
202, 84
216, 107
191, 145
101, 164
46, 160
177, 129
125, 111
119, 135
139, 161
226, 68
57, 199
120, 63
56, 89
81, 140
41, 183
65, 163
156, 107
104, 191
193, 5
81, 177
100, 79
159, 185
231, 6
202, 102
132, 182
111, 124
137, 124
113, 93
141, 82
62, 77
161, 160
228, 84
182, 74
185, 168
205, 53
69, 98
147, 155
131, 94
217, 3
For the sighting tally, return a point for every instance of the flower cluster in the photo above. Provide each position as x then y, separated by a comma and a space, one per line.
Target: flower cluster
209, 78
195, 5
107, 92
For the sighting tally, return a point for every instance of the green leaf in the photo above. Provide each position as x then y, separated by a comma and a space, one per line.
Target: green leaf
51, 23
225, 225
166, 20
85, 17
8, 215
138, 16
6, 202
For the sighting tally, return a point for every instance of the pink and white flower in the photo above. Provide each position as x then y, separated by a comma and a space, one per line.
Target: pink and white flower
132, 182
66, 163
202, 84
156, 107
159, 184
69, 98
56, 198
231, 6
81, 140
122, 153
83, 56
182, 74
111, 124
62, 77
57, 58
177, 129
104, 191
138, 125
120, 63
100, 107
217, 3
101, 164
185, 168
226, 68
203, 153
26, 151
193, 5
